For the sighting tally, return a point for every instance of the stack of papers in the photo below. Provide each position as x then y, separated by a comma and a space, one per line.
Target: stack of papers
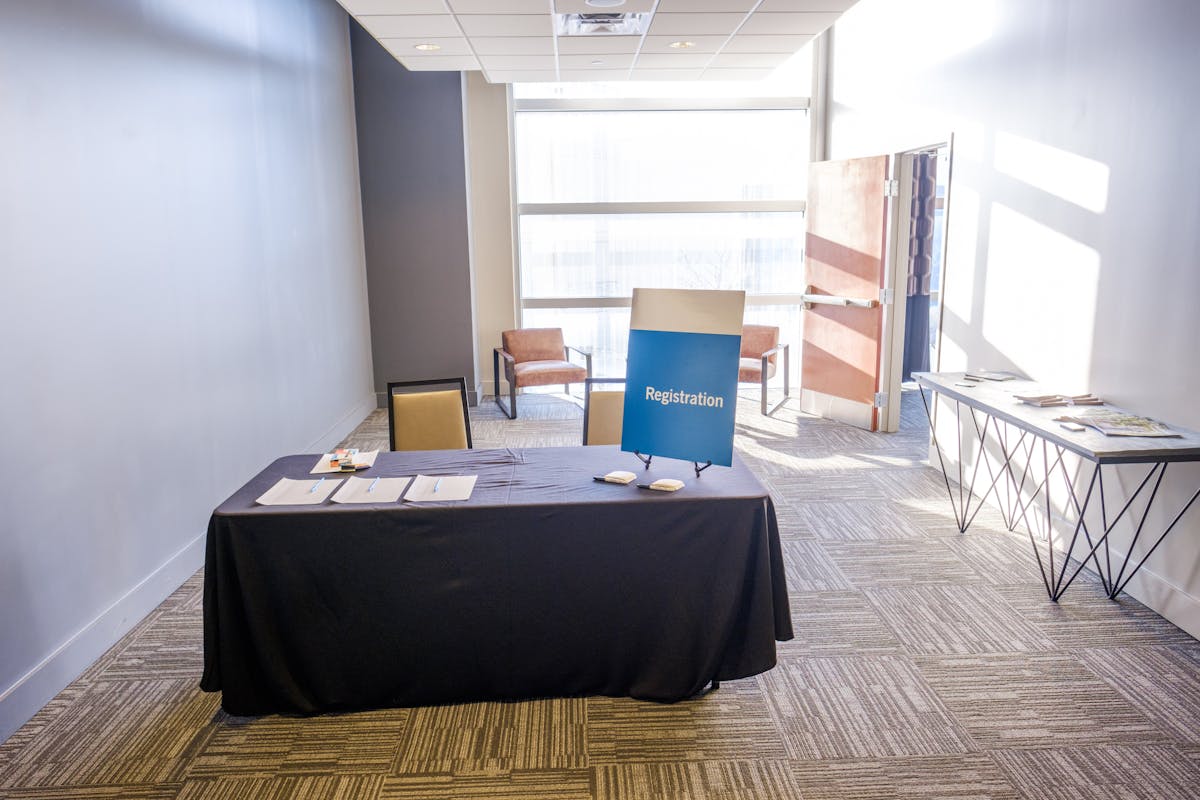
439, 489
288, 492
1043, 400
371, 490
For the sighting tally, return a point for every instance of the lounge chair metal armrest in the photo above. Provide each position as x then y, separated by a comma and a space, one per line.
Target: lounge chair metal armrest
587, 355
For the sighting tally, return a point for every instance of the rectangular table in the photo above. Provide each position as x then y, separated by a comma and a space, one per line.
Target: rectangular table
543, 583
1020, 431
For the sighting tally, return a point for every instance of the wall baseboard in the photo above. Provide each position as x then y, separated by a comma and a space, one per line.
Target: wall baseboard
20, 701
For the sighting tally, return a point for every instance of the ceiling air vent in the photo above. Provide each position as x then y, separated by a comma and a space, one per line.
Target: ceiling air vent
602, 24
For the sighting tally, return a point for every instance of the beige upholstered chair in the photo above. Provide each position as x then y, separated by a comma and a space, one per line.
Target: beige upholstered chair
760, 346
535, 357
603, 410
424, 415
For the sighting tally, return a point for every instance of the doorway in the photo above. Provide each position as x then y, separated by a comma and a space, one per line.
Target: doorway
917, 269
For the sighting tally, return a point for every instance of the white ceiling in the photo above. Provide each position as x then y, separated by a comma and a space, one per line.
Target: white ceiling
513, 41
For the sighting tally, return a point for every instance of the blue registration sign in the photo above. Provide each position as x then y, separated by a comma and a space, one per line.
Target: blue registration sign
681, 380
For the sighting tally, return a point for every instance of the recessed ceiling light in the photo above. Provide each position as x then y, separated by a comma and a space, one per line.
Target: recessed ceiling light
605, 3
681, 45
427, 47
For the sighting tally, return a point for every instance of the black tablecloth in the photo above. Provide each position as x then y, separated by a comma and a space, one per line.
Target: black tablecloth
544, 583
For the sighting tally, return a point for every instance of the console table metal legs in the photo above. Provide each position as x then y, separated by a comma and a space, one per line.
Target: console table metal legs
1015, 471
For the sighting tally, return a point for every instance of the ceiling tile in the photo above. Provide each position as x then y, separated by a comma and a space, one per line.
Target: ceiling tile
587, 45
449, 47
500, 6
736, 74
507, 24
662, 44
744, 43
514, 63
357, 7
786, 24
620, 61
750, 60
592, 74
432, 63
409, 26
836, 6
694, 24
666, 74
513, 45
681, 60
581, 7
521, 76
694, 6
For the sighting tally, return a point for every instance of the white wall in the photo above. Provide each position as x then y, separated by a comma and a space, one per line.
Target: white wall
1072, 222
183, 296
489, 151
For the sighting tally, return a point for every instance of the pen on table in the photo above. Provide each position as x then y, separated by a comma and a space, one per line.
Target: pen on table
315, 485
371, 488
436, 485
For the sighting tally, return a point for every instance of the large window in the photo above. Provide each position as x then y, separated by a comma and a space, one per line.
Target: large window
696, 192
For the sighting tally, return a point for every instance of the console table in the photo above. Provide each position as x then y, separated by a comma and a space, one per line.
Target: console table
1021, 431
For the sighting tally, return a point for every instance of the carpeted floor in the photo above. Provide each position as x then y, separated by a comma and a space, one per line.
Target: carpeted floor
926, 664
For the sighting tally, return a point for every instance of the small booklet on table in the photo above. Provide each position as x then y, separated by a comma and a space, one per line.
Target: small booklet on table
1111, 422
344, 461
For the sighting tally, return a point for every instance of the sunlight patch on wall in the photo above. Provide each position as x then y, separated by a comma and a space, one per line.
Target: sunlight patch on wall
1075, 178
1040, 299
962, 244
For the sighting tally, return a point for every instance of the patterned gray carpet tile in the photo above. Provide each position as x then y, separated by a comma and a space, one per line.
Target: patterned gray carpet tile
1161, 682
810, 568
861, 707
722, 725
836, 623
308, 787
96, 740
1085, 617
956, 619
169, 791
857, 520
690, 780
1035, 700
999, 557
951, 777
516, 785
900, 563
495, 738
1130, 772
274, 746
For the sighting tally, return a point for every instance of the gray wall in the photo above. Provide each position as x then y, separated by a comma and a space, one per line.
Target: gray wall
414, 199
1073, 233
183, 297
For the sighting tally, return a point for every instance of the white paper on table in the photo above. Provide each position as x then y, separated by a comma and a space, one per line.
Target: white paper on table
288, 492
364, 459
437, 489
371, 490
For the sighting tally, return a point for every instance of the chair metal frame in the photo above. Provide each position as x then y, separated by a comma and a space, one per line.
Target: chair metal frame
510, 364
462, 392
787, 390
587, 400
